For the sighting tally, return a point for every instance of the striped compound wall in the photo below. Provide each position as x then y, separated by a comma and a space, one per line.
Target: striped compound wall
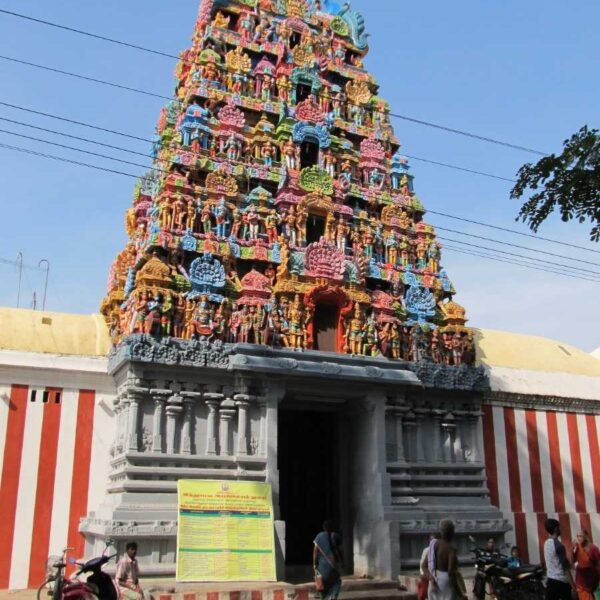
543, 464
54, 452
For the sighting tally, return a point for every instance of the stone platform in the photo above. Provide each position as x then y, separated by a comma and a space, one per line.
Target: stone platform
352, 588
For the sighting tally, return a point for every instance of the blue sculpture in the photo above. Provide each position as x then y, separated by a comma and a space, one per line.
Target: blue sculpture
194, 127
318, 133
420, 304
207, 276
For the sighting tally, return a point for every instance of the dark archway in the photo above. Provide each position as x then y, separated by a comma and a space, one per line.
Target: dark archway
315, 228
325, 328
309, 153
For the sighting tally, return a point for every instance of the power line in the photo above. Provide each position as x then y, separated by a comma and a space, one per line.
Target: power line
464, 133
81, 123
480, 237
530, 235
539, 260
475, 136
75, 137
16, 263
511, 262
88, 34
66, 160
84, 77
120, 160
441, 164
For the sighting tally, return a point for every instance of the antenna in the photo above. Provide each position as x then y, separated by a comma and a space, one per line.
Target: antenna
20, 266
44, 260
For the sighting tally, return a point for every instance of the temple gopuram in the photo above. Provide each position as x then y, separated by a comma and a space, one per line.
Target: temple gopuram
279, 211
281, 299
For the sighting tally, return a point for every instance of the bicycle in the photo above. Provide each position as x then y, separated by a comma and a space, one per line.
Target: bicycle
53, 585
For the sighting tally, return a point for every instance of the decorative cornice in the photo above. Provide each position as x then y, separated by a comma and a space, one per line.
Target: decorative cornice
445, 377
171, 352
542, 402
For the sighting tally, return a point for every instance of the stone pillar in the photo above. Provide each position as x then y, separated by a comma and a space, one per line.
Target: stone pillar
459, 450
133, 425
213, 400
242, 401
262, 436
473, 420
399, 435
437, 430
160, 399
226, 413
448, 427
419, 451
409, 429
174, 409
187, 429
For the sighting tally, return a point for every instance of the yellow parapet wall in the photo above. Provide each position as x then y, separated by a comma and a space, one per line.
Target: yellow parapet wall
532, 353
53, 333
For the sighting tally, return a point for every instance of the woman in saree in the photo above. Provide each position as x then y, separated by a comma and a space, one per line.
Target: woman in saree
586, 558
327, 560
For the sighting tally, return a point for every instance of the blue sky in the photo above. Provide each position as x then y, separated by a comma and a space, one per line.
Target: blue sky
512, 70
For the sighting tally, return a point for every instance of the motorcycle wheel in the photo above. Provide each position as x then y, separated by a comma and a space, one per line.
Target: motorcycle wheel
43, 591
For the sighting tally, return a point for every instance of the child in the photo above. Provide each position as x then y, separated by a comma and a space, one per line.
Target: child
514, 561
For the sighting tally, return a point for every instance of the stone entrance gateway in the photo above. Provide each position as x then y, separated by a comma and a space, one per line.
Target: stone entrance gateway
384, 448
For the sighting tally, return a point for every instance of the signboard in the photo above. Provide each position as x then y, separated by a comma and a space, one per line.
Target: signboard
225, 531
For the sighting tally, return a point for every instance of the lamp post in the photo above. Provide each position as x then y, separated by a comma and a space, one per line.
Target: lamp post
44, 260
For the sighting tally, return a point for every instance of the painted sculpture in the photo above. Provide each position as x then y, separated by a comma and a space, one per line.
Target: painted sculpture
279, 210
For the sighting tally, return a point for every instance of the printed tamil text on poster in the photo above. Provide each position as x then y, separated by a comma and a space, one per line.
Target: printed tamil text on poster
225, 531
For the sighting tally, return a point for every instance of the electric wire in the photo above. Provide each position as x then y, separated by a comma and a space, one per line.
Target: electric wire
506, 229
528, 248
72, 121
86, 78
89, 34
105, 156
540, 260
16, 263
407, 118
75, 137
510, 262
65, 160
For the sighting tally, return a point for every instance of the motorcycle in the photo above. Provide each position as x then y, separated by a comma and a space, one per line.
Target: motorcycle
98, 585
494, 577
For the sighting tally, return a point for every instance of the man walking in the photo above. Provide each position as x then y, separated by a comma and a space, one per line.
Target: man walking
559, 585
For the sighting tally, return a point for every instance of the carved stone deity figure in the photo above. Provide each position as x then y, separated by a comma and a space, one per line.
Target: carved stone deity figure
354, 332
296, 318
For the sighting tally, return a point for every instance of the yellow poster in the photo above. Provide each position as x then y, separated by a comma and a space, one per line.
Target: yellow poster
225, 531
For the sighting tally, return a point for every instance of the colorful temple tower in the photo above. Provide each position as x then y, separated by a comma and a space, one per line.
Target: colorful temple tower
278, 210
280, 312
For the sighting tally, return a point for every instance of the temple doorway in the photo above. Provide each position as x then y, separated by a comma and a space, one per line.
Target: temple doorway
315, 228
325, 326
309, 480
309, 154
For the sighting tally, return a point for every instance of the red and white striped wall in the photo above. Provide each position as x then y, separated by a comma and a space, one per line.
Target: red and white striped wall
54, 453
543, 464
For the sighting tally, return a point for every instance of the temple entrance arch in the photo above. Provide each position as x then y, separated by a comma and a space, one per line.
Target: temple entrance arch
329, 306
317, 207
325, 327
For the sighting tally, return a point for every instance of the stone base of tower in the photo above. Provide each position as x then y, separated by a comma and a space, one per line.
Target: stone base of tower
384, 449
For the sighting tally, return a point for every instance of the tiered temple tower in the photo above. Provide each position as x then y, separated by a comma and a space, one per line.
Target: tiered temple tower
279, 264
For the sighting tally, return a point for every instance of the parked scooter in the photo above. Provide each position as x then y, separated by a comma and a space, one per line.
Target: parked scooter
502, 582
98, 585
